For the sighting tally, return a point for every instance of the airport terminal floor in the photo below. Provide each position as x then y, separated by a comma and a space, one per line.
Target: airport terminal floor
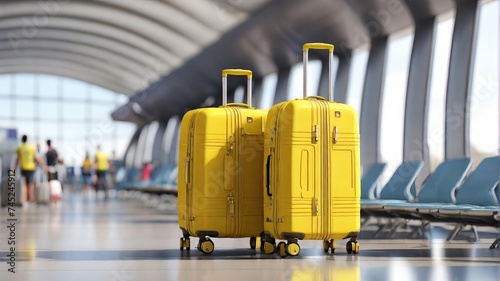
134, 237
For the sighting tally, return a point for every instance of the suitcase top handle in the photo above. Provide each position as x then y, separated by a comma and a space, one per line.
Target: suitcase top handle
319, 46
237, 72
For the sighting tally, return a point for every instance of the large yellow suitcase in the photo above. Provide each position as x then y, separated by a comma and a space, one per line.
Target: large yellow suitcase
220, 171
312, 172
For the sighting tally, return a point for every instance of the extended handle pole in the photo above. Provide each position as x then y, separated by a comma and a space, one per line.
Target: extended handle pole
237, 72
319, 46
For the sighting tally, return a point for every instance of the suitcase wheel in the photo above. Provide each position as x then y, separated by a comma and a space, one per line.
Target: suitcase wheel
352, 247
282, 249
206, 245
293, 249
187, 243
182, 243
269, 248
255, 243
329, 245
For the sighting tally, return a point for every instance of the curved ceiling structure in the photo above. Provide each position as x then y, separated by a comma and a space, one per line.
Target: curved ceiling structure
271, 39
168, 52
120, 45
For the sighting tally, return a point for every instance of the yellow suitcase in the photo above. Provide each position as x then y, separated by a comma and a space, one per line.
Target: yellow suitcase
220, 171
312, 172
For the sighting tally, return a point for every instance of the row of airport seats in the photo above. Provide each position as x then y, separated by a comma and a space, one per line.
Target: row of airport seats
451, 194
163, 180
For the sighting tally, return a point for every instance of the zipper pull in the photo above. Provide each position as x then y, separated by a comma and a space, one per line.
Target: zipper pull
316, 206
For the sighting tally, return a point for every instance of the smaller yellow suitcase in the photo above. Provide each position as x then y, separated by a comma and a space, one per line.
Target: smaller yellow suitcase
312, 172
220, 171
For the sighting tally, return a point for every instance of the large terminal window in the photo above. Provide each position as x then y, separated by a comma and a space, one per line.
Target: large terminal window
295, 82
393, 100
359, 61
436, 107
483, 105
268, 91
73, 114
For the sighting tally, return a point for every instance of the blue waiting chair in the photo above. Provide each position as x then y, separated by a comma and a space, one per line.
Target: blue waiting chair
439, 188
396, 190
477, 202
370, 180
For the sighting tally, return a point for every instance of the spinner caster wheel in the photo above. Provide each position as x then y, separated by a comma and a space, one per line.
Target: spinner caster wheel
326, 246
293, 249
355, 249
206, 246
269, 248
352, 247
181, 243
187, 243
255, 242
349, 247
282, 249
261, 244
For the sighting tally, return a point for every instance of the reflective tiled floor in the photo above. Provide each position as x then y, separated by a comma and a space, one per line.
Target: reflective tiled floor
129, 240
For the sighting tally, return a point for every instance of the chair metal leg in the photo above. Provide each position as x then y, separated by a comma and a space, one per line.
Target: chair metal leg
380, 229
420, 230
454, 232
474, 231
394, 229
495, 244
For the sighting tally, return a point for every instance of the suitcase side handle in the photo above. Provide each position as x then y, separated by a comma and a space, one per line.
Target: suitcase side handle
237, 72
319, 46
268, 175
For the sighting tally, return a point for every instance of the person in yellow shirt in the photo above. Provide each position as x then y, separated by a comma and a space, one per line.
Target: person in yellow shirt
102, 166
87, 172
27, 157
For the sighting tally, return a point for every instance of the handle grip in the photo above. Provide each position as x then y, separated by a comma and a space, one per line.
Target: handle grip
237, 72
268, 175
319, 46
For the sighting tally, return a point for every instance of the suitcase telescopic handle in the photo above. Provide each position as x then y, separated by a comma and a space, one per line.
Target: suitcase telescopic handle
319, 46
237, 72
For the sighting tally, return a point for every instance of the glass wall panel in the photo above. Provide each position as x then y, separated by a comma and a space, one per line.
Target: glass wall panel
393, 102
49, 110
437, 99
5, 107
74, 110
25, 108
73, 89
24, 85
359, 61
295, 82
268, 90
5, 84
484, 113
49, 86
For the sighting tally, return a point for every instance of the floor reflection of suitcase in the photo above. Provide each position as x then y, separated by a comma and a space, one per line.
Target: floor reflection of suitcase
42, 190
220, 171
312, 174
55, 190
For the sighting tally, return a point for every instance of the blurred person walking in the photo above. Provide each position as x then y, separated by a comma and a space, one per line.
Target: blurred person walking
87, 173
27, 158
102, 166
52, 159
